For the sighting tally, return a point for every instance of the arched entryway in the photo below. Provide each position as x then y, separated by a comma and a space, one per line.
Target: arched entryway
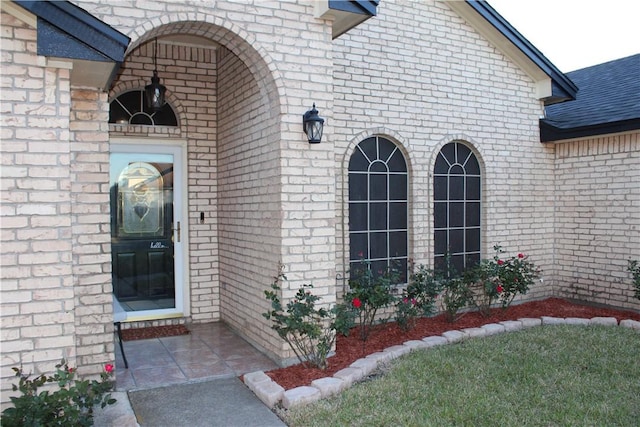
227, 107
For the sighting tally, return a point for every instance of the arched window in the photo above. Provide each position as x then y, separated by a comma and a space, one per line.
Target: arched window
378, 216
130, 108
457, 207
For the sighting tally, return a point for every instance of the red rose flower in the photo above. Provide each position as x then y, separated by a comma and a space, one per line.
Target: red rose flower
520, 255
500, 262
356, 302
109, 368
499, 289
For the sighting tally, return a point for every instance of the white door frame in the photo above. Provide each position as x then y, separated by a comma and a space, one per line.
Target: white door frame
178, 148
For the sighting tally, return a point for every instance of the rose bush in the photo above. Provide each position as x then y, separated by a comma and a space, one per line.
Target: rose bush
71, 404
309, 331
500, 279
370, 292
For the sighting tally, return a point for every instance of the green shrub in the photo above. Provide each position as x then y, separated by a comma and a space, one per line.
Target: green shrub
309, 331
369, 292
500, 280
71, 405
418, 299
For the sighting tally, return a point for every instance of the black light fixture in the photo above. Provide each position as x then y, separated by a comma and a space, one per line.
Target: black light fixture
313, 125
154, 93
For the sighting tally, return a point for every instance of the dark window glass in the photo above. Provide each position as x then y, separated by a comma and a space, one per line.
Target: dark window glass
440, 187
359, 246
378, 186
378, 215
397, 163
399, 185
440, 215
457, 206
398, 244
456, 214
473, 188
398, 216
130, 108
358, 186
378, 209
378, 247
472, 214
378, 167
358, 217
472, 167
441, 242
370, 149
358, 162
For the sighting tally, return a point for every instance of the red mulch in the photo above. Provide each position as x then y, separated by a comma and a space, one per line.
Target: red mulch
349, 349
153, 332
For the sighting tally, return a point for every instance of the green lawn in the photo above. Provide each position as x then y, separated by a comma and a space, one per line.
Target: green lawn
545, 376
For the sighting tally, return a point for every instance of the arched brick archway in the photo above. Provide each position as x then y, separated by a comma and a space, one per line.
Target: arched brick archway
227, 96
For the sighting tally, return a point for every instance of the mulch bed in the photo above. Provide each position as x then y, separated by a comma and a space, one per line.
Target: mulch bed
153, 332
351, 348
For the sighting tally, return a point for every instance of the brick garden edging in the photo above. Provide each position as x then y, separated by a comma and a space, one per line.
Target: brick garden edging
271, 393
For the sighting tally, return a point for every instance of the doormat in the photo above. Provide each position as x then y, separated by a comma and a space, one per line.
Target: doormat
154, 332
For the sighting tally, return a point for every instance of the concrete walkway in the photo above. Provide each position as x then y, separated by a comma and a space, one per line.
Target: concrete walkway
221, 402
188, 380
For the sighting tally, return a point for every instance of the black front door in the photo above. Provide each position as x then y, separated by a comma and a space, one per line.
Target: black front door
142, 235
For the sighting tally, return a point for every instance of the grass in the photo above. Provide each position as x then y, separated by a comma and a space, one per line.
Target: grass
545, 376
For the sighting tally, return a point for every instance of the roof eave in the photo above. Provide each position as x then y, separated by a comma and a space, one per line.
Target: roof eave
67, 33
345, 14
551, 133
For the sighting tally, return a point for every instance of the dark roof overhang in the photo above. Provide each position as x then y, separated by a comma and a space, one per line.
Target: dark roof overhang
346, 14
553, 85
552, 133
67, 32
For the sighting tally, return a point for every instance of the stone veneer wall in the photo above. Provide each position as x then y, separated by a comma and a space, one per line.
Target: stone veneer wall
421, 76
597, 197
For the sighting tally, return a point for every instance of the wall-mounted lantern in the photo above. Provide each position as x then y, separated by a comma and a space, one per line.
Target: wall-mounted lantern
313, 125
154, 92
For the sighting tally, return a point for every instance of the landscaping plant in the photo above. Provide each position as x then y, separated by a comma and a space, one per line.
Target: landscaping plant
70, 405
309, 331
500, 279
456, 293
369, 293
418, 298
634, 269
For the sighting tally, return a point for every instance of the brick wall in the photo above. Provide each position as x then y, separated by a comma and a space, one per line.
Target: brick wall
597, 197
38, 294
90, 226
416, 74
422, 77
249, 203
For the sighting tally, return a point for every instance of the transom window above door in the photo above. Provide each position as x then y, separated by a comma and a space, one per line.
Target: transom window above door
378, 197
130, 108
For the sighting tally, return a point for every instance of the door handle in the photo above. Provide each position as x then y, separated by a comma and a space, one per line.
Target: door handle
177, 230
